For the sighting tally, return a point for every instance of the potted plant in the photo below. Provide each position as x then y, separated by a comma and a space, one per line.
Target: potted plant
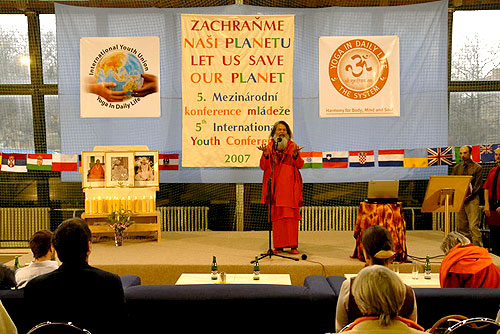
119, 221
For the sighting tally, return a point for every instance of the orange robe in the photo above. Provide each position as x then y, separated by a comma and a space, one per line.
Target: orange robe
286, 185
468, 267
96, 172
386, 215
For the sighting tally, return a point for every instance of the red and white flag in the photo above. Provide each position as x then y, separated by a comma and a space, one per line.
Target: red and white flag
64, 162
169, 161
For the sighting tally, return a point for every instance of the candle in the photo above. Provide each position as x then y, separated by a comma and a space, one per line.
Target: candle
109, 204
136, 204
143, 206
130, 206
116, 203
100, 204
94, 205
87, 205
123, 204
151, 204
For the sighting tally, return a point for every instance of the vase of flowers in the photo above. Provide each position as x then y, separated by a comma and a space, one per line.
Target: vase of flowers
119, 221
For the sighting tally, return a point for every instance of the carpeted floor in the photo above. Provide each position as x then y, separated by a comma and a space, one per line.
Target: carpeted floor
328, 253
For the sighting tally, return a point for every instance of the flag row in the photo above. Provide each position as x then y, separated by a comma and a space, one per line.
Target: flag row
407, 158
22, 162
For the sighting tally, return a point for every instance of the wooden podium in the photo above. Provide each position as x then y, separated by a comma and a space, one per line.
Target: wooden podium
446, 194
105, 196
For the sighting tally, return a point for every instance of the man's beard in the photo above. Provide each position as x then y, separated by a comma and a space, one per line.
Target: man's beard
283, 143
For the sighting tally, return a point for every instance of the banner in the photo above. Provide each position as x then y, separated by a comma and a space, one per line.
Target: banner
119, 77
359, 76
237, 80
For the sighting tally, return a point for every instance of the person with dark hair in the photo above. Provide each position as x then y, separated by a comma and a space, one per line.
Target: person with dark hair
44, 254
469, 216
492, 204
7, 277
380, 295
377, 245
281, 162
76, 292
466, 265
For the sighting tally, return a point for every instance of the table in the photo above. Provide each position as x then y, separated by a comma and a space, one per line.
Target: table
146, 223
283, 279
421, 282
386, 215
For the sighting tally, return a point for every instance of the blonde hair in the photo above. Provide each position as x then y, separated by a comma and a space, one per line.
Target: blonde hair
379, 291
452, 239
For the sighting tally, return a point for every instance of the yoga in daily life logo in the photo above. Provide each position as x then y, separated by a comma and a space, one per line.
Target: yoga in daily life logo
358, 69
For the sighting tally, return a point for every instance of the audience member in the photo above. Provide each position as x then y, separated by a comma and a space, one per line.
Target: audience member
380, 295
492, 204
7, 326
466, 265
76, 292
7, 277
377, 247
44, 254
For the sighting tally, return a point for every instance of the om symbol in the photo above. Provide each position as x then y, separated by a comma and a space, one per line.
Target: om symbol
360, 65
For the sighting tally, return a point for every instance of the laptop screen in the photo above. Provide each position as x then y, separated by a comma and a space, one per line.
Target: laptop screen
383, 189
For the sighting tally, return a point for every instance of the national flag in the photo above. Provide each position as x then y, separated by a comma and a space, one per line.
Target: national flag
64, 162
361, 158
335, 159
14, 162
39, 161
456, 151
80, 167
391, 158
169, 161
415, 157
487, 152
440, 156
475, 154
312, 159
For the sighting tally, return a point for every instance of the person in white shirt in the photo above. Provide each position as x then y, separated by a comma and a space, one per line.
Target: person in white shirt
44, 254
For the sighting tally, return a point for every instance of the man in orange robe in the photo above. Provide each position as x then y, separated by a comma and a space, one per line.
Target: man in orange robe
466, 265
281, 162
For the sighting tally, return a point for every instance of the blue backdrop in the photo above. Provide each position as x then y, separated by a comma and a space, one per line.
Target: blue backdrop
423, 123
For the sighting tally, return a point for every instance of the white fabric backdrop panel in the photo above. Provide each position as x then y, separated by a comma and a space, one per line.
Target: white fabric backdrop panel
422, 30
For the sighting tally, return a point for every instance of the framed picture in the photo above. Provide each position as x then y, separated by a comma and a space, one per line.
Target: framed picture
93, 169
119, 169
146, 169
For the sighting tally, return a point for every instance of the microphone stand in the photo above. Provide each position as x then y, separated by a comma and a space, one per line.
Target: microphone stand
270, 196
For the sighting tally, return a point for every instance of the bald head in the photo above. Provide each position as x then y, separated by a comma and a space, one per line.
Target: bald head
465, 153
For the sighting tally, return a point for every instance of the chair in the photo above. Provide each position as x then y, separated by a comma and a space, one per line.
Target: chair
444, 323
475, 325
57, 328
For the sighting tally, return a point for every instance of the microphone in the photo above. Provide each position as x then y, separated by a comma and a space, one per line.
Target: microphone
303, 256
278, 140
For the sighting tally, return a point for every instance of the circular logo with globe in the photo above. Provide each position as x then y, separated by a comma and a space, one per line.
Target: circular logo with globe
122, 68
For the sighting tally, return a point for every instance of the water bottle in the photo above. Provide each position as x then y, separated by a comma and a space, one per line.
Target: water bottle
427, 268
256, 270
215, 269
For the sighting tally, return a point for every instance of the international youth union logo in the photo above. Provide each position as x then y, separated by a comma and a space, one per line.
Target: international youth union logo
358, 69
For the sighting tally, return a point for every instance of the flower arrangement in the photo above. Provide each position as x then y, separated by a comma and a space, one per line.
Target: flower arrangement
120, 220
